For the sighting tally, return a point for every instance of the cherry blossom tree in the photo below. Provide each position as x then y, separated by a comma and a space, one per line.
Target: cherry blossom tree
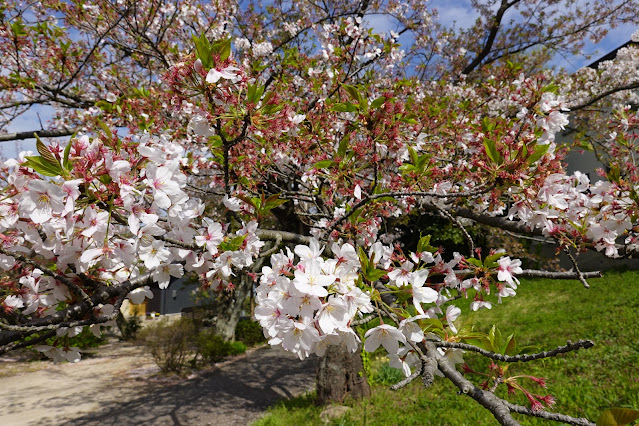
276, 145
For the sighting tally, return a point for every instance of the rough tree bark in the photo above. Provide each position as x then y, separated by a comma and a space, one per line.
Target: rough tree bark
340, 373
228, 309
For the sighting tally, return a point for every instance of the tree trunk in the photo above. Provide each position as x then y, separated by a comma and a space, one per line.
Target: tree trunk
340, 373
228, 308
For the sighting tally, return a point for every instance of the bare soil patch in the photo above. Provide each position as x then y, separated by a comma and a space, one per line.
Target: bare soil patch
120, 385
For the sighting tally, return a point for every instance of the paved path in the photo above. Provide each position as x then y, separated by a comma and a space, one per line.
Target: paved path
117, 390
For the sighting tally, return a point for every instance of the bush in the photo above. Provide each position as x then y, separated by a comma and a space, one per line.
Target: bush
214, 349
249, 332
170, 344
129, 327
387, 375
86, 339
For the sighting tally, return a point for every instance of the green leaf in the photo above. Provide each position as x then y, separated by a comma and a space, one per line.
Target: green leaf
44, 151
475, 262
491, 261
203, 50
248, 200
354, 93
479, 341
345, 107
268, 97
510, 346
272, 202
323, 164
374, 274
233, 244
18, 29
384, 199
105, 179
539, 152
343, 144
430, 324
378, 102
363, 259
254, 93
491, 151
270, 109
215, 141
487, 125
65, 158
414, 158
495, 339
43, 167
106, 129
223, 48
617, 416
423, 244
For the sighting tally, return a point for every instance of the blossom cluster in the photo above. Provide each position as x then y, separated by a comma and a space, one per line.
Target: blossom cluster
109, 216
306, 302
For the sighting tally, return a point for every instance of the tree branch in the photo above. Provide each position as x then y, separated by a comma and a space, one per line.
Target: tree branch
74, 312
599, 97
564, 275
486, 399
514, 408
494, 29
569, 347
41, 133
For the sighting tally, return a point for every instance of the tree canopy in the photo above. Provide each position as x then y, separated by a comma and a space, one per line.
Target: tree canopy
284, 141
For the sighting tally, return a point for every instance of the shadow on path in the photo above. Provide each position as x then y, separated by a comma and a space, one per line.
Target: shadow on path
235, 394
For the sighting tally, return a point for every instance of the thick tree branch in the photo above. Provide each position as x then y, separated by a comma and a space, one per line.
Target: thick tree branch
492, 34
560, 275
486, 399
602, 95
76, 311
41, 133
569, 347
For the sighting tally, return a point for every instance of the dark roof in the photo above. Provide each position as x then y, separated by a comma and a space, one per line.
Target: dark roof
611, 55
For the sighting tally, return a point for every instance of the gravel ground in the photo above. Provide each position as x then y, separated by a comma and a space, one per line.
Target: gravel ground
120, 386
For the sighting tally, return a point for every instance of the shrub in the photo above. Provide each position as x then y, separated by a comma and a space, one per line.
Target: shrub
213, 348
129, 327
387, 375
170, 344
86, 339
249, 332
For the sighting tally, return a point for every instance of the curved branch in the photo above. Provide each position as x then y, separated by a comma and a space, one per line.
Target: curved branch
74, 312
569, 347
599, 97
77, 291
409, 379
365, 200
486, 399
492, 34
284, 236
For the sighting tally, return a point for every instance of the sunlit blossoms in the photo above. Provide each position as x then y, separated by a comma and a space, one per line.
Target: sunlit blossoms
302, 153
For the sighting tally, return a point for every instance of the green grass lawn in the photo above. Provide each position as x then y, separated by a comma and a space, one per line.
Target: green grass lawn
545, 313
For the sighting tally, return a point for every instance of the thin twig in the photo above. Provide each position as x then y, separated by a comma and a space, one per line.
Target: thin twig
77, 291
548, 416
580, 275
